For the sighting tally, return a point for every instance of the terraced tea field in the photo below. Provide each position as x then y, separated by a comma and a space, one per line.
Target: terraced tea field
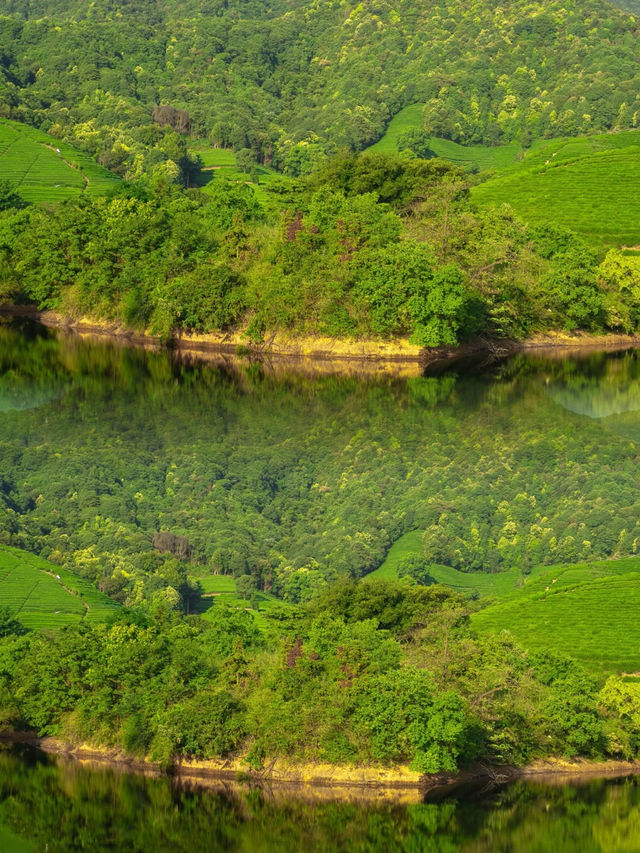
585, 184
478, 157
43, 169
42, 595
221, 590
476, 583
221, 163
592, 194
588, 612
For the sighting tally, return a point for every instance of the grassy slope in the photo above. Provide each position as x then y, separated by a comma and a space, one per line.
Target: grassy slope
586, 184
482, 156
221, 589
468, 582
28, 585
221, 162
588, 611
29, 160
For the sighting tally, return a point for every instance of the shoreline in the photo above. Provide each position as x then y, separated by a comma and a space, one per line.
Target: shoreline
324, 354
324, 781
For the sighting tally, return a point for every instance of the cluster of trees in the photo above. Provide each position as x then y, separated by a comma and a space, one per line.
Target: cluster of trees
291, 84
375, 672
367, 246
292, 481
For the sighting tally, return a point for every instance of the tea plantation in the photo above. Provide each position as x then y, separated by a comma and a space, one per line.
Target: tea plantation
220, 590
42, 595
44, 169
587, 611
579, 183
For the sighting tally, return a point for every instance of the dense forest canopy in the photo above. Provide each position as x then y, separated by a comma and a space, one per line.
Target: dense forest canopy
102, 448
124, 80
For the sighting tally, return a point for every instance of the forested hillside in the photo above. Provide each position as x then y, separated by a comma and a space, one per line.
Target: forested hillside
292, 81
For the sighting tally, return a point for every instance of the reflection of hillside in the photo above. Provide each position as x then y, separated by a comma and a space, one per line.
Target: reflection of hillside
70, 805
597, 388
598, 401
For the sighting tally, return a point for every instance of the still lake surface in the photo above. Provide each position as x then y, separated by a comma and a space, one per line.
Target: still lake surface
97, 438
47, 804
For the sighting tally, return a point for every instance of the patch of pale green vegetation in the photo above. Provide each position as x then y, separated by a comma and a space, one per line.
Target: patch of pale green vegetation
224, 164
46, 170
585, 611
469, 583
223, 590
581, 184
475, 157
43, 595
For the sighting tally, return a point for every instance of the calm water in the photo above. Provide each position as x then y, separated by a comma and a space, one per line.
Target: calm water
51, 805
102, 445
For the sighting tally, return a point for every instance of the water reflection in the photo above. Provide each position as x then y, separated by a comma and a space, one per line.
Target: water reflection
60, 806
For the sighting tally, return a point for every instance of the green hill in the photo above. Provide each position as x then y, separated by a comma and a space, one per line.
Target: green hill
580, 183
476, 157
273, 77
588, 612
470, 583
585, 184
30, 161
43, 595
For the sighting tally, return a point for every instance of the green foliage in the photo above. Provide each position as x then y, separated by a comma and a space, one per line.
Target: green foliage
276, 81
417, 568
400, 714
578, 184
417, 142
370, 246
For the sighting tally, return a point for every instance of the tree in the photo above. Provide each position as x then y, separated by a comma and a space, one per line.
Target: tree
9, 624
417, 142
417, 568
9, 198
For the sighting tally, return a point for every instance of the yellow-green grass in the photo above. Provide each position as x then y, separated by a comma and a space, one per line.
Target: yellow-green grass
593, 194
221, 590
220, 163
480, 157
586, 611
29, 586
30, 161
477, 583
10, 843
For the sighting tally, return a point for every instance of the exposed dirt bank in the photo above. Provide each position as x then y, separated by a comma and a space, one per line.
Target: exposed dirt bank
326, 781
331, 355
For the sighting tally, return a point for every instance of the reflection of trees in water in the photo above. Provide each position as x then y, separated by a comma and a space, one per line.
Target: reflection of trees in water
68, 807
292, 472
